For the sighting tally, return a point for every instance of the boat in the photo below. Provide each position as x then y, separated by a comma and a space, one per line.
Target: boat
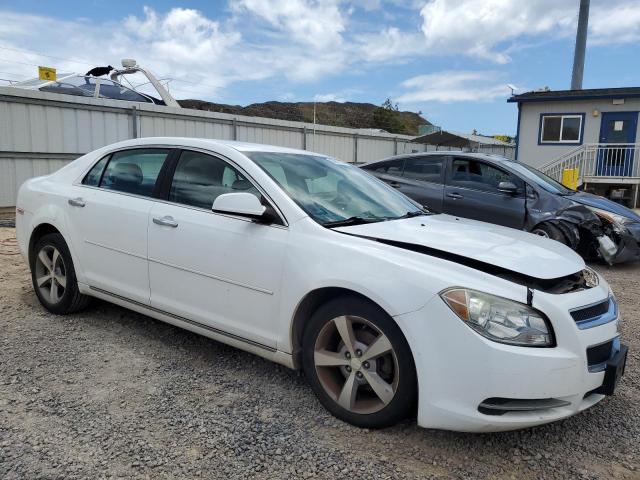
101, 87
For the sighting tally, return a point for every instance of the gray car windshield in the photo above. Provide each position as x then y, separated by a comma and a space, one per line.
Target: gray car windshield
540, 179
332, 192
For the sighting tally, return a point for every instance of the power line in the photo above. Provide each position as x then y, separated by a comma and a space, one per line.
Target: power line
24, 50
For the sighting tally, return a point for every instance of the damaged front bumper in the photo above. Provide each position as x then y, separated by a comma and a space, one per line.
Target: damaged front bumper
626, 239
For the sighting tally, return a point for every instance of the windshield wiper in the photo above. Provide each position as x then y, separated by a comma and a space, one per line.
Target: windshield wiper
347, 222
415, 213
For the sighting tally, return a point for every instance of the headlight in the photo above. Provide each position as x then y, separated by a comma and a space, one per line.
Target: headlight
590, 276
613, 218
499, 319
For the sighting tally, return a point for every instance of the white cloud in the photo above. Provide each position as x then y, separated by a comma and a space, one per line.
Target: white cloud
620, 24
308, 40
202, 55
391, 45
318, 23
477, 27
483, 28
454, 86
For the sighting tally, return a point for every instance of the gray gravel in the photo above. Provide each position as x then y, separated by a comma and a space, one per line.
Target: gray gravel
109, 393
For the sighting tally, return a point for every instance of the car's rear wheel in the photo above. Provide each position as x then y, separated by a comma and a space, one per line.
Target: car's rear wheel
54, 277
547, 230
359, 363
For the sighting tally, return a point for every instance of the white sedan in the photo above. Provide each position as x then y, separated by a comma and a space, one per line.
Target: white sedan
315, 264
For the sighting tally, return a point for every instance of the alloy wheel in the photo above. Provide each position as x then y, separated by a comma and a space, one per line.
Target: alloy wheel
540, 233
356, 364
51, 277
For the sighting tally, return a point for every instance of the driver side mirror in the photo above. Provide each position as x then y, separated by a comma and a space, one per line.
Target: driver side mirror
508, 188
242, 204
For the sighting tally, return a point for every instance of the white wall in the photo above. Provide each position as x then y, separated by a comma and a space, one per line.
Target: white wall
536, 155
41, 131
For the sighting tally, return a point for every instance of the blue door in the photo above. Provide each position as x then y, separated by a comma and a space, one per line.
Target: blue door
617, 128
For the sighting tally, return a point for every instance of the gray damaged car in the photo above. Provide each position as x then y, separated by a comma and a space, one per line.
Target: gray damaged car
497, 190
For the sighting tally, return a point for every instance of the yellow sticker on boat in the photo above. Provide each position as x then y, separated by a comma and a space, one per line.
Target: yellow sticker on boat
46, 73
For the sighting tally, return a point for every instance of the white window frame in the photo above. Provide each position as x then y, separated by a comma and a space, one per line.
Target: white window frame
562, 118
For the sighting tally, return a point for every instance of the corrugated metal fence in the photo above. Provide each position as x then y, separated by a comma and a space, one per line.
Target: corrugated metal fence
40, 132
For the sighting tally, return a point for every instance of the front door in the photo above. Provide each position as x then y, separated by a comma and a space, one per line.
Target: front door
217, 270
618, 129
472, 192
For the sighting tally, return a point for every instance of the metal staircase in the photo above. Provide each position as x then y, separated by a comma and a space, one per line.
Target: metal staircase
599, 162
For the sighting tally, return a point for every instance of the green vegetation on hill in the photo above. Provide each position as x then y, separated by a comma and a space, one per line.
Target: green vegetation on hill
347, 114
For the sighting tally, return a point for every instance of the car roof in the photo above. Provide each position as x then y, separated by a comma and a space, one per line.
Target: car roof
208, 143
488, 157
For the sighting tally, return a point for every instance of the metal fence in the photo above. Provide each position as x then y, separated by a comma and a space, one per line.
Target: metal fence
40, 132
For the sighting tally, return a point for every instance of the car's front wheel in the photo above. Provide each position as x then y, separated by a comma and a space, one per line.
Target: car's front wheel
54, 277
547, 230
359, 363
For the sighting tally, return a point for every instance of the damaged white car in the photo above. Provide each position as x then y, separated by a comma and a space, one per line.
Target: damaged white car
315, 264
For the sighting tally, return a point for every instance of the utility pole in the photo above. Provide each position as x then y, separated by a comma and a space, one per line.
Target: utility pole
581, 45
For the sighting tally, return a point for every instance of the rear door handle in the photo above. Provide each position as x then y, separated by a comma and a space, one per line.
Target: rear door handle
165, 221
455, 196
77, 202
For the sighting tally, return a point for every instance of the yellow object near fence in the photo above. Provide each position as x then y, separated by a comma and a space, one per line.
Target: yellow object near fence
46, 73
570, 178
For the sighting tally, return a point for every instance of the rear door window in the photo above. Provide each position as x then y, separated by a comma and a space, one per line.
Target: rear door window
425, 169
390, 167
134, 171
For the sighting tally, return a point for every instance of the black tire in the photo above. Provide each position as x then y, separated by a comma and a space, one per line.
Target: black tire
403, 401
70, 299
549, 230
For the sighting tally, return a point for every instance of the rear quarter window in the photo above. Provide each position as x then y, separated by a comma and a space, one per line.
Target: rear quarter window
92, 178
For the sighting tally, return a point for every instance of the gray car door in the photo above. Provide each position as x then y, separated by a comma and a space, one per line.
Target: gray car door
471, 191
423, 180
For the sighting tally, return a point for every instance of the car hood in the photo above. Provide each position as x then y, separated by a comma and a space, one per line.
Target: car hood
603, 203
507, 248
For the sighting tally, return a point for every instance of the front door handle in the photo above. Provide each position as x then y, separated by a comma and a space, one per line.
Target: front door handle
165, 221
454, 195
395, 184
76, 202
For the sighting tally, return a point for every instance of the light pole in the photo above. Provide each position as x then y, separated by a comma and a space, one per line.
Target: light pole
581, 45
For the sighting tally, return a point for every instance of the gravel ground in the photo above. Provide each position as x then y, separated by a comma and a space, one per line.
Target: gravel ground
110, 393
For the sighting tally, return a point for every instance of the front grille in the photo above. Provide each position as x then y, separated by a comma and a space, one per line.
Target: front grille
592, 311
599, 353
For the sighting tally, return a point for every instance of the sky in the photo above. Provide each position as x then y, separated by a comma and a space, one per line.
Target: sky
451, 60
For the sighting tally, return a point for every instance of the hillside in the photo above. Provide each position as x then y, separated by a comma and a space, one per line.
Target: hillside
347, 114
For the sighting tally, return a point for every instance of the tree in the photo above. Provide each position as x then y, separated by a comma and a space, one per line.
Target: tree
503, 138
387, 117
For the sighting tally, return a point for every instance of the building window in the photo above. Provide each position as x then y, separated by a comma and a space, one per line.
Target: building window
556, 128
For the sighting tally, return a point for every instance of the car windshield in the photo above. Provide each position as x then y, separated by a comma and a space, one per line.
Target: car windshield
540, 179
333, 192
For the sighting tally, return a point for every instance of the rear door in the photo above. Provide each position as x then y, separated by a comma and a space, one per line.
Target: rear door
423, 180
390, 171
108, 214
471, 191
